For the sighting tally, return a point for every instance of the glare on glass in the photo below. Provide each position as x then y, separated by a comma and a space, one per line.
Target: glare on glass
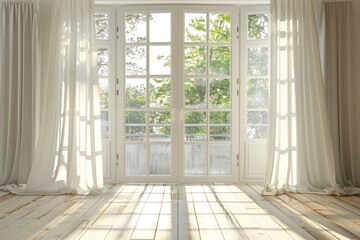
135, 28
135, 163
135, 92
257, 93
101, 26
195, 60
135, 60
258, 26
195, 27
220, 90
220, 160
160, 60
257, 117
160, 27
160, 159
160, 92
220, 31
258, 61
195, 93
256, 132
195, 160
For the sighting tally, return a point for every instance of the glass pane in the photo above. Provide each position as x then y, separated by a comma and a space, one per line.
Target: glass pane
195, 126
104, 124
257, 117
258, 26
195, 93
258, 61
195, 160
257, 93
102, 26
220, 160
195, 60
220, 61
220, 28
104, 93
135, 126
220, 126
103, 61
135, 159
160, 27
160, 159
135, 92
195, 27
220, 93
160, 60
135, 60
255, 132
160, 126
135, 28
160, 92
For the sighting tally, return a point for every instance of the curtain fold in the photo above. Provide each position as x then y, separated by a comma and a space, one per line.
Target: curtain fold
340, 26
300, 154
68, 157
19, 74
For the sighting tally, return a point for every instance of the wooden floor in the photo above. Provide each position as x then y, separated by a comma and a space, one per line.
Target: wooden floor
180, 212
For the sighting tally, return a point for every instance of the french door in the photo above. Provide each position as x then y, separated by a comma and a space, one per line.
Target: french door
177, 94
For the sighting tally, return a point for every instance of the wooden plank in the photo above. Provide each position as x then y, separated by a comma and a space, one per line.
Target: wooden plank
328, 212
327, 225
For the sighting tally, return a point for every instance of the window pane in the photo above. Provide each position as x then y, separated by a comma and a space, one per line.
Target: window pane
195, 93
257, 117
258, 61
104, 93
160, 126
135, 92
220, 61
160, 27
257, 93
220, 93
160, 60
220, 160
103, 61
160, 159
101, 26
195, 60
104, 124
195, 27
160, 92
220, 126
135, 60
220, 28
135, 126
258, 26
195, 160
135, 155
195, 126
135, 28
255, 132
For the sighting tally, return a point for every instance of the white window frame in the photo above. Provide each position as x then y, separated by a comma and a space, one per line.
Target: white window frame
108, 145
253, 151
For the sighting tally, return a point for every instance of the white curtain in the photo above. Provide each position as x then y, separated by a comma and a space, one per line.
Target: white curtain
19, 74
300, 154
340, 27
68, 157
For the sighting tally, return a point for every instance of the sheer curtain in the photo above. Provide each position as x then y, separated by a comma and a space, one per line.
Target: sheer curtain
300, 154
340, 27
68, 157
19, 73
